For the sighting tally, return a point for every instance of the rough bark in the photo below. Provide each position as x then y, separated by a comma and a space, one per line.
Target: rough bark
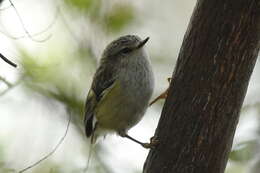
200, 115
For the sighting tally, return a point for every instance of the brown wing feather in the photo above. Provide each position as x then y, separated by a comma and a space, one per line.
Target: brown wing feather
105, 76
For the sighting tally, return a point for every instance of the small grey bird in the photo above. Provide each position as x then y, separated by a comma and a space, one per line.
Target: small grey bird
121, 89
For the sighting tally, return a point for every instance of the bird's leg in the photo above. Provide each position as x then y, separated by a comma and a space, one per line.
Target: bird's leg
163, 95
152, 144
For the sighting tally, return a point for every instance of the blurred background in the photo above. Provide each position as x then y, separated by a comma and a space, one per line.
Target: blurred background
57, 45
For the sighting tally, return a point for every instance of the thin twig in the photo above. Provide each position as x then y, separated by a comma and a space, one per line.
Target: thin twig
7, 60
37, 33
31, 36
89, 157
5, 81
53, 151
10, 85
23, 25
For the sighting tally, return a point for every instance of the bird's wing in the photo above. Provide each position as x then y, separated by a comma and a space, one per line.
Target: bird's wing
92, 101
103, 82
89, 110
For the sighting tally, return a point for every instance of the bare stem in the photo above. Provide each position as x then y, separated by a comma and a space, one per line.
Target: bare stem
7, 60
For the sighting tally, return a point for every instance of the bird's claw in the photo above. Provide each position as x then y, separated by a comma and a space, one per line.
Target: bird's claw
153, 143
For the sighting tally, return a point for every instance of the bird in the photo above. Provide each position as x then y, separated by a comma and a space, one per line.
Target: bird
120, 91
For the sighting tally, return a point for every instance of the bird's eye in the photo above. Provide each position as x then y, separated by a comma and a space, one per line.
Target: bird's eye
126, 50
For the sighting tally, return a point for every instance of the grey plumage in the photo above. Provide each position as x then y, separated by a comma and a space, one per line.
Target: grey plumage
121, 88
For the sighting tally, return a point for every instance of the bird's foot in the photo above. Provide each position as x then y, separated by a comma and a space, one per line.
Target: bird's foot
153, 143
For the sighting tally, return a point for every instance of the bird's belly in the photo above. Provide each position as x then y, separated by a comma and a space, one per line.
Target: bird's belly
121, 109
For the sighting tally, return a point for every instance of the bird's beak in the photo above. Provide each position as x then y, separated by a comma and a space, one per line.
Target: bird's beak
142, 43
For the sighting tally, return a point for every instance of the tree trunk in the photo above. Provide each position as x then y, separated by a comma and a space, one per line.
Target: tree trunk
200, 115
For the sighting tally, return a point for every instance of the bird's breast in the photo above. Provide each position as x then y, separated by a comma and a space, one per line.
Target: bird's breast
126, 104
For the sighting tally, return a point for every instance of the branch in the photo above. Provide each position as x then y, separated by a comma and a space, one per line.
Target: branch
7, 60
6, 82
209, 83
10, 85
31, 36
53, 151
23, 25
